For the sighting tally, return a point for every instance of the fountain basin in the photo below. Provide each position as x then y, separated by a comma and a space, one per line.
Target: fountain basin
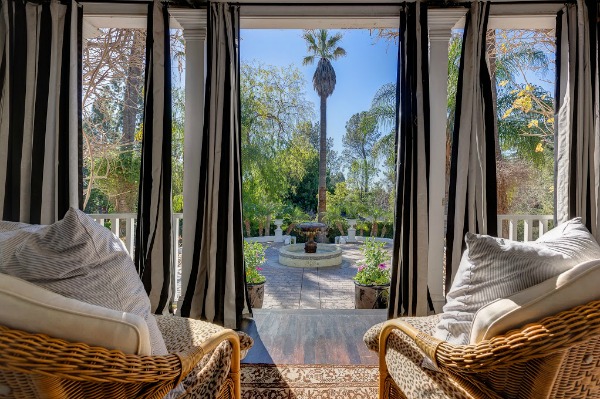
326, 255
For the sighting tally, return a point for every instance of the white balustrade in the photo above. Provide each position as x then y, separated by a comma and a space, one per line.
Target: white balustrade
127, 235
514, 227
533, 226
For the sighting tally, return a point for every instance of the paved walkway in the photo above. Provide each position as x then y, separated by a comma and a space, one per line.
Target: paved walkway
311, 288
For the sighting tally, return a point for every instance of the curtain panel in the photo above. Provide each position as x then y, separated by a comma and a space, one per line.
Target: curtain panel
472, 196
408, 289
40, 110
214, 283
153, 231
577, 128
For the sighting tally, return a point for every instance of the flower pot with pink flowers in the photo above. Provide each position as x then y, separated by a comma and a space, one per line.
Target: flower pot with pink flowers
254, 258
372, 280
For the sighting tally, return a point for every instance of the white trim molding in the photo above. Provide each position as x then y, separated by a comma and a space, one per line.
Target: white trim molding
192, 21
311, 17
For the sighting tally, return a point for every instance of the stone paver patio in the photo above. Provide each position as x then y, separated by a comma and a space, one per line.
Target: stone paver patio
311, 288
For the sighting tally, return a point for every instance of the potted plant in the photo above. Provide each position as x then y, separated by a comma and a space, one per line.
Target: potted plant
372, 280
254, 257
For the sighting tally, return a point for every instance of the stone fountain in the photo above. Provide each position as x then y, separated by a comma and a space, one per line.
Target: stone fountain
310, 254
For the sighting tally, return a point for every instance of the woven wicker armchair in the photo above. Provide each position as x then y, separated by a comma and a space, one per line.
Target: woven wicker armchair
39, 366
557, 357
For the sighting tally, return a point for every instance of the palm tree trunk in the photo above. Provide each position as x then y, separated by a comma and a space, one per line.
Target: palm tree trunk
290, 228
268, 225
248, 228
323, 160
340, 228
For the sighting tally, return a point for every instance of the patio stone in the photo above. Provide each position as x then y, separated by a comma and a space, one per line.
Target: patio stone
311, 288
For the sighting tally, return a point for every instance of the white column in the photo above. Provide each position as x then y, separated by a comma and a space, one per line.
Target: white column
278, 231
441, 23
193, 23
351, 230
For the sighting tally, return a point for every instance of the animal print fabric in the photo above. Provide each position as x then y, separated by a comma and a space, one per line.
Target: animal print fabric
404, 361
205, 381
425, 324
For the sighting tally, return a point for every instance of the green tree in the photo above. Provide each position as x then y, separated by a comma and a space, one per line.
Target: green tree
359, 141
524, 136
383, 109
325, 48
276, 149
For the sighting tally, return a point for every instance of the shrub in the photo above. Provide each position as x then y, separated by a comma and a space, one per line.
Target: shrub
374, 270
254, 257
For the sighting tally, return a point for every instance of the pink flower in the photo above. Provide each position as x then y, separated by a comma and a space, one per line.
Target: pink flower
259, 269
361, 268
382, 266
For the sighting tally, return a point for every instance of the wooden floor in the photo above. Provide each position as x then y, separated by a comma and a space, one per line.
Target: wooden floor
311, 336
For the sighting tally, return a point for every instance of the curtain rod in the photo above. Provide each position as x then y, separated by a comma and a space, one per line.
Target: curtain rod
388, 4
142, 2
434, 3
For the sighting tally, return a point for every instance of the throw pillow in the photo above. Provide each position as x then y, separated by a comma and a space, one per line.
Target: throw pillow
493, 268
80, 259
573, 240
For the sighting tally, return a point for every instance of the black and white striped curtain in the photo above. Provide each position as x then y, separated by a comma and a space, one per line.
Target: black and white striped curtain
408, 290
577, 148
472, 197
213, 283
40, 110
153, 230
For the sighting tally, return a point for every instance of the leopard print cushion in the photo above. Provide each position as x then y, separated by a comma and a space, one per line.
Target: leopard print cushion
205, 381
425, 324
404, 361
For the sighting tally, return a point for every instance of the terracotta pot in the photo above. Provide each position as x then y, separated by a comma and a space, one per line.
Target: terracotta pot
256, 292
371, 296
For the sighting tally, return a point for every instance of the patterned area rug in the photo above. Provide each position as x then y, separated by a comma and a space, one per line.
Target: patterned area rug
269, 381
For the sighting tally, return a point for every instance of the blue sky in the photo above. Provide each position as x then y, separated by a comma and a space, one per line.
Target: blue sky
368, 65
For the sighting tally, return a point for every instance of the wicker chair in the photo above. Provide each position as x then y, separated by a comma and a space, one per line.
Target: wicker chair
557, 357
39, 366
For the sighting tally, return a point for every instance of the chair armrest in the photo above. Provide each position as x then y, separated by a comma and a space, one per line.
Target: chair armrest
536, 340
192, 356
425, 342
28, 353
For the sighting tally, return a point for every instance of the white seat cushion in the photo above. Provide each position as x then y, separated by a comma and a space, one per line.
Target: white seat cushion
574, 287
30, 308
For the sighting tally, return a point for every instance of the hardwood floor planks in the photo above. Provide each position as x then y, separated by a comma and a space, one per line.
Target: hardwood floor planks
303, 336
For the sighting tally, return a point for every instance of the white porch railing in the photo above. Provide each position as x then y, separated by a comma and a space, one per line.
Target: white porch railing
116, 221
524, 227
513, 227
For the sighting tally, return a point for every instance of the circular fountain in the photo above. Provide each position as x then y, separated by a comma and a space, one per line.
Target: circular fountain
310, 254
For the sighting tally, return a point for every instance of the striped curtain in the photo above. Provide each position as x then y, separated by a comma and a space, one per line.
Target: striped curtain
577, 125
213, 283
153, 230
40, 110
408, 290
472, 196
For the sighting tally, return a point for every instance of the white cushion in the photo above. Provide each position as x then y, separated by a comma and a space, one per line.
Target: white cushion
574, 287
30, 308
493, 268
79, 259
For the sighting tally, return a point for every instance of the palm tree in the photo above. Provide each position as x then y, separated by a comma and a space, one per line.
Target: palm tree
325, 47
